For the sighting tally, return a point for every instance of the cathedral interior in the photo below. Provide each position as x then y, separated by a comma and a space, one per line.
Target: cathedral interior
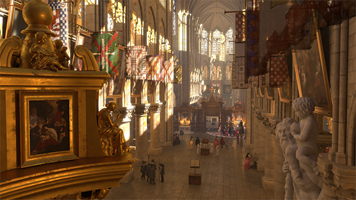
210, 99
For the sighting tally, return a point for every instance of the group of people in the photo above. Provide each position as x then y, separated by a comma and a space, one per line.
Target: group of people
149, 170
212, 145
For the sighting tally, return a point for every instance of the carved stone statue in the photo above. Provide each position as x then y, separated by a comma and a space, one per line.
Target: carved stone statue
42, 59
60, 51
297, 141
109, 132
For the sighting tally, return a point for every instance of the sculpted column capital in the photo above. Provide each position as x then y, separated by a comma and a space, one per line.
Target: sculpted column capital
156, 107
141, 109
125, 112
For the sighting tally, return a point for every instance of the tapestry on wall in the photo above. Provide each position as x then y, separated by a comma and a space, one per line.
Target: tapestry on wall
154, 67
136, 62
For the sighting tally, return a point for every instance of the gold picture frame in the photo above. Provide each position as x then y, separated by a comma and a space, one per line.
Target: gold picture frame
46, 127
261, 90
285, 93
270, 93
312, 77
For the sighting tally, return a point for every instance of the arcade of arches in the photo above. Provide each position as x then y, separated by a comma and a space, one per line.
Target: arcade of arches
93, 92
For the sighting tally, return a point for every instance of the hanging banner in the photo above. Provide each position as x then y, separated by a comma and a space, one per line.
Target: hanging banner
136, 62
238, 73
167, 71
105, 48
279, 74
154, 67
177, 74
240, 26
59, 23
252, 40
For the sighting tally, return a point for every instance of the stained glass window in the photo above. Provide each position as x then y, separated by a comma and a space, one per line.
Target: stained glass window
204, 42
210, 53
174, 17
110, 23
136, 30
182, 31
229, 44
222, 48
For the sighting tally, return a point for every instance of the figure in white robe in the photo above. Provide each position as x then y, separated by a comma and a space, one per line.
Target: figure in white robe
211, 146
217, 151
198, 149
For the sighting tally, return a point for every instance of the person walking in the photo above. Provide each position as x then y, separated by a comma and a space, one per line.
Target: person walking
153, 172
222, 142
191, 143
143, 170
161, 169
148, 173
197, 141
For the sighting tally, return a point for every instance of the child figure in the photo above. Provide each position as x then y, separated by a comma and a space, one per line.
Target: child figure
60, 51
305, 132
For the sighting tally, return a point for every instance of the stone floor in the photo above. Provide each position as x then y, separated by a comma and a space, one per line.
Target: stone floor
223, 176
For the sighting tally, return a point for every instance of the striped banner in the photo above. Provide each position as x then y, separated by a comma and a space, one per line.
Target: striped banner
279, 74
154, 67
136, 62
238, 73
240, 26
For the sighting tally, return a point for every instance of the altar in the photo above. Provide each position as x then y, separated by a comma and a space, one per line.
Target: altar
186, 129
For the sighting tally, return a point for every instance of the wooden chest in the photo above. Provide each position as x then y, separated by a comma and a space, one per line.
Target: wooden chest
205, 151
194, 179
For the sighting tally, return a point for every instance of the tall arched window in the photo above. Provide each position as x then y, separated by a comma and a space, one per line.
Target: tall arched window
222, 46
151, 40
204, 42
110, 23
174, 17
229, 44
228, 73
210, 38
216, 43
135, 30
182, 31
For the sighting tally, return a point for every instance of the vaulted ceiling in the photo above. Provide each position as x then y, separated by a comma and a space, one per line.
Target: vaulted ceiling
211, 12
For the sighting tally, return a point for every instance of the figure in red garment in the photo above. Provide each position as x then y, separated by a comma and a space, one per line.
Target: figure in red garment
216, 142
247, 161
222, 142
48, 137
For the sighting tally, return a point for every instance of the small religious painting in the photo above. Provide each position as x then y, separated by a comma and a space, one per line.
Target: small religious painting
270, 93
262, 92
312, 77
136, 87
46, 128
115, 85
285, 93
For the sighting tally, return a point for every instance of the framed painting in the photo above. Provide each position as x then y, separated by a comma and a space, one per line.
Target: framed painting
46, 127
262, 92
285, 93
270, 93
115, 87
312, 77
136, 87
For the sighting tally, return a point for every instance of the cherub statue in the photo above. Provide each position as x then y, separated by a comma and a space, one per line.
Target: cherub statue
42, 59
108, 132
306, 132
60, 51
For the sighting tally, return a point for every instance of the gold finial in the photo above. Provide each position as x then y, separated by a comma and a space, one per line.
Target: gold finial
38, 15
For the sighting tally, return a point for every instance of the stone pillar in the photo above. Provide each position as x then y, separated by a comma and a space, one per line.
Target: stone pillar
162, 125
334, 82
279, 175
268, 178
341, 151
249, 121
155, 147
169, 116
141, 111
255, 131
124, 121
261, 144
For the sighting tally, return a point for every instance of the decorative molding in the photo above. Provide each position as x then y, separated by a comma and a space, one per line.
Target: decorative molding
155, 107
125, 112
141, 109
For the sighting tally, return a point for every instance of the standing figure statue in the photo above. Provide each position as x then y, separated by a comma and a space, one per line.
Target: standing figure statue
60, 51
42, 59
298, 143
108, 132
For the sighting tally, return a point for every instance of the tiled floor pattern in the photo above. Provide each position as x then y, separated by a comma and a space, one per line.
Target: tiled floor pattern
223, 176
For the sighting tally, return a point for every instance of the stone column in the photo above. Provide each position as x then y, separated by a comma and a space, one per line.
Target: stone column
255, 131
279, 176
141, 111
261, 143
334, 82
169, 116
340, 155
269, 177
248, 141
124, 121
162, 125
155, 147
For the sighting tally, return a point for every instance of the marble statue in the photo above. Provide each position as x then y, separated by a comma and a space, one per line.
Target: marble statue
298, 143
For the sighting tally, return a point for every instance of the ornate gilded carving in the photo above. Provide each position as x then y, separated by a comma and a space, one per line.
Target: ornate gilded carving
141, 109
60, 51
125, 113
83, 53
42, 58
8, 49
109, 131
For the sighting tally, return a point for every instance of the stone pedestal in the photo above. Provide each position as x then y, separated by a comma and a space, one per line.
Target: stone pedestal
155, 147
141, 111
